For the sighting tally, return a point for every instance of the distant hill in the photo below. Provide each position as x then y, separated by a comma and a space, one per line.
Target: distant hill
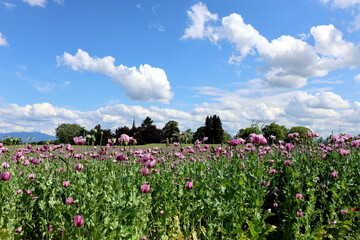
37, 136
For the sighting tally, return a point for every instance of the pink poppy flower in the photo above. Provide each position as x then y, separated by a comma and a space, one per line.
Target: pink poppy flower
79, 140
5, 176
189, 185
145, 188
78, 221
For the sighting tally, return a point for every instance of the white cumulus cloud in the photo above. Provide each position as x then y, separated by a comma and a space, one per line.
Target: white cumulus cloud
268, 113
326, 100
329, 42
277, 77
321, 111
289, 61
45, 117
38, 3
199, 15
145, 83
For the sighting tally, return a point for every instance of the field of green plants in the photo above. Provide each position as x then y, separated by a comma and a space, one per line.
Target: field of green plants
253, 190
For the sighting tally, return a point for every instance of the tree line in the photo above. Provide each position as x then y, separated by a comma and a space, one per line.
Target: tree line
147, 132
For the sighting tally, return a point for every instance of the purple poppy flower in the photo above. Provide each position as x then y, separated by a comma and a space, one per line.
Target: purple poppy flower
78, 221
79, 167
66, 184
79, 140
299, 196
145, 188
189, 185
70, 201
5, 176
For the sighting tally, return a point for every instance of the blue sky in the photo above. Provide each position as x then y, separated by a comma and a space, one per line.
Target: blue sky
289, 62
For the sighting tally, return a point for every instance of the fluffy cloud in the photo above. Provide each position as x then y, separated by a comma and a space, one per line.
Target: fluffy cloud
268, 113
329, 42
325, 100
289, 61
3, 41
145, 83
352, 116
39, 3
321, 111
279, 78
45, 117
199, 15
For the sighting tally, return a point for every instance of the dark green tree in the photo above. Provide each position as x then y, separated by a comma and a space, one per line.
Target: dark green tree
147, 122
151, 134
100, 135
11, 141
107, 134
171, 131
123, 130
199, 134
219, 132
302, 133
148, 133
279, 131
245, 132
65, 132
212, 130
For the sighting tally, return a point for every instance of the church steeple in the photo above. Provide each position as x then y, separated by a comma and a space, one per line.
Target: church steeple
133, 125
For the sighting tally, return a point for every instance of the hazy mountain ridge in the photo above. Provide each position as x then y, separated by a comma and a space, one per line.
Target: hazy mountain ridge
37, 136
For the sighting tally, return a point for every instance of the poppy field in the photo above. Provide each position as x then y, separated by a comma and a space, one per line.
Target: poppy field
242, 190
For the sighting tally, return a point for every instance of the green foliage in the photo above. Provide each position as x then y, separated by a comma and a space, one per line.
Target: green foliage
226, 137
65, 132
228, 200
213, 129
11, 141
245, 132
148, 133
279, 131
186, 136
302, 132
147, 122
200, 133
171, 131
99, 136
122, 130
